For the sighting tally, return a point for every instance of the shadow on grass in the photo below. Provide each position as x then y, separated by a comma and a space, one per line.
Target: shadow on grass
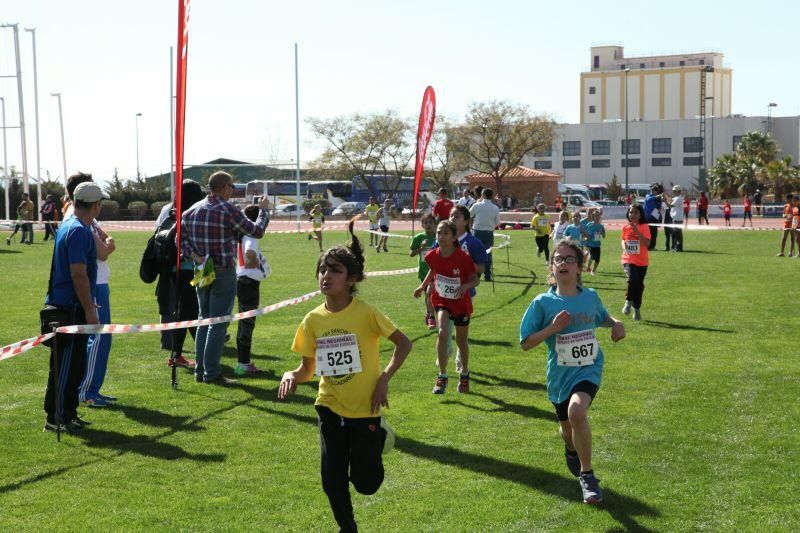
505, 382
527, 411
151, 417
687, 327
479, 342
522, 294
622, 508
707, 252
7, 251
143, 445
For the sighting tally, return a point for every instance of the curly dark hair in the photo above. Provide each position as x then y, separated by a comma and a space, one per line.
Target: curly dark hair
351, 256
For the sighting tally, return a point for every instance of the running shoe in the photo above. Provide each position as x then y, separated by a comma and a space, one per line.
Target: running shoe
378, 248
573, 463
431, 324
107, 398
441, 385
8, 243
95, 402
80, 421
463, 383
181, 362
244, 369
637, 315
590, 486
626, 309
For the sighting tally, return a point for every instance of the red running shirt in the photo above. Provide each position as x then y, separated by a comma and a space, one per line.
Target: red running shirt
748, 204
458, 266
442, 208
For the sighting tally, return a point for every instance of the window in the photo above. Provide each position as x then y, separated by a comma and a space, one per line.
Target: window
661, 162
736, 140
541, 165
692, 144
571, 148
601, 147
601, 163
596, 61
544, 153
634, 146
682, 63
702, 61
661, 64
631, 163
571, 163
591, 109
641, 65
691, 161
662, 145
592, 89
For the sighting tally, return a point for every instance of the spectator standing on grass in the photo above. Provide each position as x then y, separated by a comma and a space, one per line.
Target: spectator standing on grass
48, 212
209, 231
175, 286
251, 269
652, 212
702, 208
485, 216
25, 214
677, 211
72, 286
442, 206
788, 232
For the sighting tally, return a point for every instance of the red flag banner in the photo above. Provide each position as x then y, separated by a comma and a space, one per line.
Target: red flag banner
427, 115
180, 111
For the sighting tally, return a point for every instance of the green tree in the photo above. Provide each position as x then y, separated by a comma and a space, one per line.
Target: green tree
723, 177
613, 188
496, 136
758, 147
782, 177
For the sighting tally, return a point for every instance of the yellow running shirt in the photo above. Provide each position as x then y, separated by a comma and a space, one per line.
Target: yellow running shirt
372, 213
348, 395
541, 224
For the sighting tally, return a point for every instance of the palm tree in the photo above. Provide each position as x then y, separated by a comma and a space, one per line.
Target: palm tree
723, 177
758, 146
781, 176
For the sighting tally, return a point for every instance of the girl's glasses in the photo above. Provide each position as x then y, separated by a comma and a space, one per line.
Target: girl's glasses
570, 259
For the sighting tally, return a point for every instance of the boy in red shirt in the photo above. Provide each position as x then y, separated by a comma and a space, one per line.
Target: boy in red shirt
726, 212
442, 206
748, 210
453, 275
686, 204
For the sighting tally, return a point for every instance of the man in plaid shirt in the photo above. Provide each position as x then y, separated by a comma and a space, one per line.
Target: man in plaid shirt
212, 227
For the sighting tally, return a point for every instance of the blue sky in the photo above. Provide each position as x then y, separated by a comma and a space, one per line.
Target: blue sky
111, 60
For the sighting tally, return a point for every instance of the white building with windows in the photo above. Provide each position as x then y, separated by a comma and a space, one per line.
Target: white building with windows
663, 126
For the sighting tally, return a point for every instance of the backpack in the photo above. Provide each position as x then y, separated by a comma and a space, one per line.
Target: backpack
148, 266
160, 253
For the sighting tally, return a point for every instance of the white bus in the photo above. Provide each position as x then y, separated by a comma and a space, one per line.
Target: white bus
279, 191
336, 192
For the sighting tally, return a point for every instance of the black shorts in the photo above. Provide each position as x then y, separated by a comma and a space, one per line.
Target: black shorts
748, 214
594, 253
582, 386
384, 229
458, 320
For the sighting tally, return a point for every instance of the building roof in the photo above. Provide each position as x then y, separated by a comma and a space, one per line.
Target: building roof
518, 173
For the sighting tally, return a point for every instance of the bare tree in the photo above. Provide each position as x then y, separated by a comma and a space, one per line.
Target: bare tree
496, 136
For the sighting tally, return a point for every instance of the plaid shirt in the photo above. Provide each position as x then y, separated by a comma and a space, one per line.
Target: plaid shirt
212, 227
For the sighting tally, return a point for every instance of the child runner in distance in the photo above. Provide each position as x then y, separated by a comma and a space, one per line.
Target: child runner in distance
541, 227
560, 227
371, 213
747, 203
340, 341
420, 244
565, 318
726, 212
317, 220
635, 238
453, 275
796, 222
686, 205
787, 227
577, 232
385, 215
251, 269
597, 232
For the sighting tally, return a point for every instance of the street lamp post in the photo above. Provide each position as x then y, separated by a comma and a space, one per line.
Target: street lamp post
711, 98
63, 147
138, 175
563, 160
627, 70
39, 192
5, 158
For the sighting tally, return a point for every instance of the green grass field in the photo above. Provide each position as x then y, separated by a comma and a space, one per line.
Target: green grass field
695, 427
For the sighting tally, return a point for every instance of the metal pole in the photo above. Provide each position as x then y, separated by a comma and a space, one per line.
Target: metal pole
627, 69
63, 147
39, 193
138, 175
171, 128
26, 188
297, 131
5, 159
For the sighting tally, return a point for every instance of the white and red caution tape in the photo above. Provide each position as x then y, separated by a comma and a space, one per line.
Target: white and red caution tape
21, 347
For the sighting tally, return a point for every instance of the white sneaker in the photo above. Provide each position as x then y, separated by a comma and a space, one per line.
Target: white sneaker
626, 309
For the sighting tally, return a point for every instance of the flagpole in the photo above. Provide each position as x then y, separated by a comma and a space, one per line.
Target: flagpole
297, 133
171, 126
